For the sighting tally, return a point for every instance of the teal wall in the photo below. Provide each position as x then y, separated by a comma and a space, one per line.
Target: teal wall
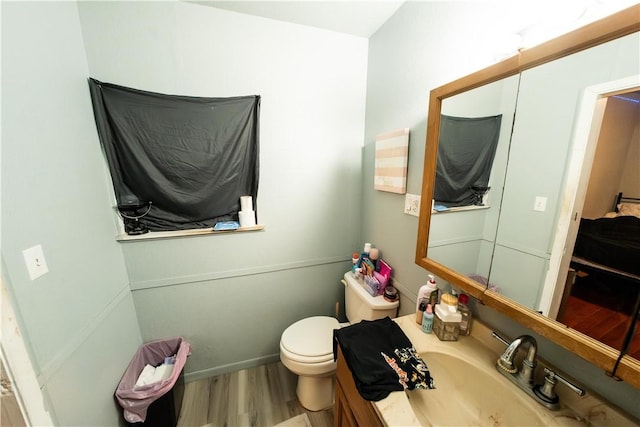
78, 321
231, 296
541, 146
406, 61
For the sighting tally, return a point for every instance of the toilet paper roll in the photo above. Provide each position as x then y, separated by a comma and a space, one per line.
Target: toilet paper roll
246, 203
247, 218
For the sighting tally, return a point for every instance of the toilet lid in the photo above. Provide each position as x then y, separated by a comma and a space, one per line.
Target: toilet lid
310, 337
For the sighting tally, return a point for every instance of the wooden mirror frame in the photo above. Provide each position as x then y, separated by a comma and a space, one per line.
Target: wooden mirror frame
610, 28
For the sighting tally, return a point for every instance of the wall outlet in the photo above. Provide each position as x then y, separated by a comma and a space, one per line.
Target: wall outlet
36, 264
540, 204
412, 204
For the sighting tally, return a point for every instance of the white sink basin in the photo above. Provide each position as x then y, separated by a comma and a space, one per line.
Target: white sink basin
467, 395
471, 392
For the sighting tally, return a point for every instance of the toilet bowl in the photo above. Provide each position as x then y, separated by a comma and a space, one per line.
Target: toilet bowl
306, 347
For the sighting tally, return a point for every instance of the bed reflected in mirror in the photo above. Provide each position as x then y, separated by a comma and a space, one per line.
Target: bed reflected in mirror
602, 288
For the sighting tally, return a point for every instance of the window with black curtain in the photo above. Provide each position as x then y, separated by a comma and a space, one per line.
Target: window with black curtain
187, 160
466, 149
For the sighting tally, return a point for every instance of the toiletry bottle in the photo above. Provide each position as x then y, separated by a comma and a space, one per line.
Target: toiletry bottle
434, 296
354, 261
374, 254
463, 308
428, 291
364, 254
424, 292
427, 320
421, 309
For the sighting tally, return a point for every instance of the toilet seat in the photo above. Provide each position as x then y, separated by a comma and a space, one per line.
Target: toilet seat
310, 340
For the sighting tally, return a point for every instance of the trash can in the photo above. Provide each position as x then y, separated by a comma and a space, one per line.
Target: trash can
152, 404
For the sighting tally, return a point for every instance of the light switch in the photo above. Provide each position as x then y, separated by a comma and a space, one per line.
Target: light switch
412, 204
540, 204
36, 264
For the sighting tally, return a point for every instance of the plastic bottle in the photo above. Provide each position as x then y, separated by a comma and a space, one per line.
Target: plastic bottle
365, 251
428, 291
463, 308
354, 261
374, 254
427, 320
421, 309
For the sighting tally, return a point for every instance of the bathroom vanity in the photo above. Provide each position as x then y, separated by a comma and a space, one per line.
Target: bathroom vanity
469, 391
350, 409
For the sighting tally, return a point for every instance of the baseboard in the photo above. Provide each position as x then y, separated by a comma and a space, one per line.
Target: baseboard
232, 367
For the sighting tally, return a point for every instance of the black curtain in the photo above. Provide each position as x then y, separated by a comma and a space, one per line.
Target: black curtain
192, 157
466, 149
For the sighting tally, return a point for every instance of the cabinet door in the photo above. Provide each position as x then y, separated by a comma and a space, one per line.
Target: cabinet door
342, 415
350, 407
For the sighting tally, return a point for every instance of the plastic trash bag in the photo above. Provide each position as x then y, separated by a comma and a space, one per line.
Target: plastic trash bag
135, 400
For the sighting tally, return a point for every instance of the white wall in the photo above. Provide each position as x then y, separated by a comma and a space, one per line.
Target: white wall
78, 321
216, 291
616, 159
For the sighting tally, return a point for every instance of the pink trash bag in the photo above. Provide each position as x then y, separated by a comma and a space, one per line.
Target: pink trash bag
135, 400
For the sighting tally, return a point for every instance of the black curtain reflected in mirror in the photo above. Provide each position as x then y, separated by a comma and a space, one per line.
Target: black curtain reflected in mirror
466, 150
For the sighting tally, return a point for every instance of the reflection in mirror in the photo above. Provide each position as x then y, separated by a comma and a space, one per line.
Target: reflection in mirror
463, 237
540, 189
522, 242
602, 285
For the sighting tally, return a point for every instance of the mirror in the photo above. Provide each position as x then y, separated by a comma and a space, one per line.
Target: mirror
519, 262
464, 237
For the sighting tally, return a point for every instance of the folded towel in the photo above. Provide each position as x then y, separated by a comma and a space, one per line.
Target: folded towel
381, 358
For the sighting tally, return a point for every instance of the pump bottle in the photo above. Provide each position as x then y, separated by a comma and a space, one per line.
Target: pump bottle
428, 292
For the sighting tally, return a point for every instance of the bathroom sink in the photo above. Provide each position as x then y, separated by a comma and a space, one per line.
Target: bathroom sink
469, 395
471, 392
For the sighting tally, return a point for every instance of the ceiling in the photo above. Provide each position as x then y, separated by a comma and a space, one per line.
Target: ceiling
358, 18
533, 20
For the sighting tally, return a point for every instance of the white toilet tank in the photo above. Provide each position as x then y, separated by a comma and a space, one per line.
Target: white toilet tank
360, 305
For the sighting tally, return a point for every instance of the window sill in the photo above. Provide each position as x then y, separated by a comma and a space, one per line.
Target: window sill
460, 209
155, 235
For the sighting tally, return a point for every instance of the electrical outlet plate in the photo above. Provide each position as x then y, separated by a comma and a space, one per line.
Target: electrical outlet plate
36, 264
412, 204
540, 204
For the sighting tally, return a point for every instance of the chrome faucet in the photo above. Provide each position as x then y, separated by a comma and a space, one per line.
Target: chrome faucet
523, 377
506, 361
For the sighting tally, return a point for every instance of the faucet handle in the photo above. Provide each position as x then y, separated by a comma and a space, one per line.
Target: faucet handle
554, 376
499, 338
546, 392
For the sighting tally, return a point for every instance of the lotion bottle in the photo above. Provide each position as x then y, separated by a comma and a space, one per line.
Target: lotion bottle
428, 292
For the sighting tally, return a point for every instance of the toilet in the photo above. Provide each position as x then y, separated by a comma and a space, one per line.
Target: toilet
306, 347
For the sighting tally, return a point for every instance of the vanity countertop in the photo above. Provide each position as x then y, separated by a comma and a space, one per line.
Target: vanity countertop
483, 350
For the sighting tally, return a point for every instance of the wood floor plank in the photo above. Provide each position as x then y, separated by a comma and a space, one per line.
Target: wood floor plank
258, 397
195, 404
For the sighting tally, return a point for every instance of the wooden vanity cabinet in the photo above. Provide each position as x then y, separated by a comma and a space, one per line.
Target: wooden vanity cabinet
350, 409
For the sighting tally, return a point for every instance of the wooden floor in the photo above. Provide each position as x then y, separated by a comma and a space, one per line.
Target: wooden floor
262, 396
10, 414
604, 324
